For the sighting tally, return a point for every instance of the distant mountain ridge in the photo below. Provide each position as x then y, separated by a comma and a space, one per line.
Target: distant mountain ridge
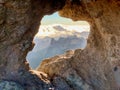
57, 40
57, 30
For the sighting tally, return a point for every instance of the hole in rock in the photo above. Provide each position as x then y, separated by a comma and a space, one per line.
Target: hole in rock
56, 36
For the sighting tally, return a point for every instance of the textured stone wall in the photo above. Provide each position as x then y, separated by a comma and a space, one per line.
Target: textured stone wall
19, 22
93, 64
87, 69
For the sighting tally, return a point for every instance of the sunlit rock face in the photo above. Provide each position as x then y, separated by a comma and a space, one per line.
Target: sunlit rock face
88, 69
59, 67
93, 64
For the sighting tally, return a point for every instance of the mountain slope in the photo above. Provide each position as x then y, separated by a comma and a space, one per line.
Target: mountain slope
54, 40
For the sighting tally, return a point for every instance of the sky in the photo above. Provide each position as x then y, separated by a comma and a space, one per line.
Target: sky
65, 27
56, 19
49, 21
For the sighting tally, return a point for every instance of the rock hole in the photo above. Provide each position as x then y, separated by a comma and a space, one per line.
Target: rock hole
56, 36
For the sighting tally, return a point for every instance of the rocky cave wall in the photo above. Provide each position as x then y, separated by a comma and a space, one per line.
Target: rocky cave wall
94, 64
19, 22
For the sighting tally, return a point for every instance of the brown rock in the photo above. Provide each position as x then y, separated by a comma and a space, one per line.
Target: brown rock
93, 64
19, 22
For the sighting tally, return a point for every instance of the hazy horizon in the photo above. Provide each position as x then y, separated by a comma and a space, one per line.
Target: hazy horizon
65, 33
52, 40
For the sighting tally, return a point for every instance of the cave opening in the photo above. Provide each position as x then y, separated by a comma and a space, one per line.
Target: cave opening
56, 36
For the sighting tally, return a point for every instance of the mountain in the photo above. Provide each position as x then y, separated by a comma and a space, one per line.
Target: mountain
63, 44
54, 40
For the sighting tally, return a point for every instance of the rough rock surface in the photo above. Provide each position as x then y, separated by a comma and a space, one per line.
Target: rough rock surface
87, 69
9, 85
19, 22
93, 64
59, 67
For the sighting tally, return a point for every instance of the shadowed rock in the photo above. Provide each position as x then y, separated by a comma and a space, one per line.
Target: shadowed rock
19, 22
